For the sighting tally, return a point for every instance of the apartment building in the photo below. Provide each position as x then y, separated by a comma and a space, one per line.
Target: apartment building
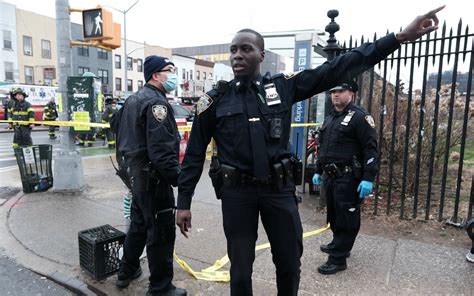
36, 48
9, 55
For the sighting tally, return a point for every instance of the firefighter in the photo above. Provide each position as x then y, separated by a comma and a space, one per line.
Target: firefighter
21, 110
110, 110
51, 114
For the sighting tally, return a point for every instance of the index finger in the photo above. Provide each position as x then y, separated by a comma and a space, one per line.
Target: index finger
432, 14
183, 230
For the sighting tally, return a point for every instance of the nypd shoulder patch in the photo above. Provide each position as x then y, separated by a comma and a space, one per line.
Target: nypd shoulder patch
204, 102
159, 112
291, 75
370, 120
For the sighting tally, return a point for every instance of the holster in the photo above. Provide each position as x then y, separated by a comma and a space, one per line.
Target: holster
356, 168
215, 173
332, 170
287, 168
278, 176
229, 175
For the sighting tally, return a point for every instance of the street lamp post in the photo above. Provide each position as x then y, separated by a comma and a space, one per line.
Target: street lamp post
124, 12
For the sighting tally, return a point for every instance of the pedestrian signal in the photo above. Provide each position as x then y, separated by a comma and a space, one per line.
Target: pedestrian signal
97, 24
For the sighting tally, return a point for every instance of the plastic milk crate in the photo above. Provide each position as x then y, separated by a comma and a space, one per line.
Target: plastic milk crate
99, 250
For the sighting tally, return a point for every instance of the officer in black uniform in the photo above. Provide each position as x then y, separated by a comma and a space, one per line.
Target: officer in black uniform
21, 110
148, 141
50, 113
110, 110
347, 161
254, 171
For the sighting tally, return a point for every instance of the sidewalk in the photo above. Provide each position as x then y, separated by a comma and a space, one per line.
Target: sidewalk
40, 231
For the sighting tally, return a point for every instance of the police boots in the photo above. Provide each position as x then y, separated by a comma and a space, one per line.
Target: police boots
174, 291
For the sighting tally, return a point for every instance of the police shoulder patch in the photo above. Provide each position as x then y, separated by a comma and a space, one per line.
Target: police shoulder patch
291, 75
159, 112
370, 120
204, 102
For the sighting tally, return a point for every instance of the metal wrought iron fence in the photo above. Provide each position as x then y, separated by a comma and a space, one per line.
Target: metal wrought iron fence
421, 99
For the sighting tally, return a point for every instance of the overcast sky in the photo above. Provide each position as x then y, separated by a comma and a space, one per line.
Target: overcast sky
179, 23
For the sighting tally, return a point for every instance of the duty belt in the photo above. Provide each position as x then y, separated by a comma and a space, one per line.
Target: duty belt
334, 170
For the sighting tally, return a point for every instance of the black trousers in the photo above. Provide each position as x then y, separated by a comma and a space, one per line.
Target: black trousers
21, 136
152, 225
110, 136
343, 213
280, 217
51, 129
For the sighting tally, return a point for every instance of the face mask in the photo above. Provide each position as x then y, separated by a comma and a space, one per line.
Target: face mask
170, 84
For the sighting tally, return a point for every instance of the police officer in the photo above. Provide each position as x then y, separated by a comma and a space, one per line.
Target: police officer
21, 110
253, 172
50, 113
110, 110
148, 141
347, 160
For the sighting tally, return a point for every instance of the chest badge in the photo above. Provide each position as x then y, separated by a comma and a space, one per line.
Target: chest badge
204, 102
159, 112
370, 120
348, 118
272, 96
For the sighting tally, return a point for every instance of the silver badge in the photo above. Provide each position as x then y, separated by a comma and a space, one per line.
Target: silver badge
370, 120
160, 112
348, 118
204, 102
273, 98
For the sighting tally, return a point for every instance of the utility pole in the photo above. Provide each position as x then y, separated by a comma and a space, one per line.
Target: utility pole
68, 171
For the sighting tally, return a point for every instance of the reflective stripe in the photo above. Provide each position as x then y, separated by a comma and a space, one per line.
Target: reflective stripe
110, 142
30, 110
31, 119
20, 112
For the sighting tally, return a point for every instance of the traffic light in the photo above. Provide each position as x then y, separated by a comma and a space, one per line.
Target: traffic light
97, 24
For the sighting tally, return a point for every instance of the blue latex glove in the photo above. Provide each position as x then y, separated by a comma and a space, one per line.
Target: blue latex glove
317, 179
365, 188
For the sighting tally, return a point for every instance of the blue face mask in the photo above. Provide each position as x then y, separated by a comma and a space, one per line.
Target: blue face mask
170, 84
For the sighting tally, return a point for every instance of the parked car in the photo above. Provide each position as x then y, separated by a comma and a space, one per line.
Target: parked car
182, 112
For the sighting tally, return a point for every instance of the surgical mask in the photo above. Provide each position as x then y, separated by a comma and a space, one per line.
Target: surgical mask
171, 81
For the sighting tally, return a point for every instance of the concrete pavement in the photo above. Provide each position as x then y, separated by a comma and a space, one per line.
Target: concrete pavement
39, 231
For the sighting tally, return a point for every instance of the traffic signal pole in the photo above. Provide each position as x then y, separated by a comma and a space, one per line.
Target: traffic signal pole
67, 170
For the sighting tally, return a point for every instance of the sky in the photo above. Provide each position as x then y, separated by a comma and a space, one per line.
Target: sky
179, 23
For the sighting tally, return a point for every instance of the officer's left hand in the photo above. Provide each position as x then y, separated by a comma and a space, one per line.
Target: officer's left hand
365, 188
317, 179
31, 126
183, 220
422, 25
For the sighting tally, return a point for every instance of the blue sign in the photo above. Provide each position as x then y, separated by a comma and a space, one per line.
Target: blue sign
302, 62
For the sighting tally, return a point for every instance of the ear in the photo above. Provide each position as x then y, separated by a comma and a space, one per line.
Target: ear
262, 56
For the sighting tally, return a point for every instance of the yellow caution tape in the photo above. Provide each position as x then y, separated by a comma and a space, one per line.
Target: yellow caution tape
106, 125
212, 273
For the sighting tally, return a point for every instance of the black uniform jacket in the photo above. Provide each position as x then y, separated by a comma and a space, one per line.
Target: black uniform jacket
346, 134
224, 117
147, 133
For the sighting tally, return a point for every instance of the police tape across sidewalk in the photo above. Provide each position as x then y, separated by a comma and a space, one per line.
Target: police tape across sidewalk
212, 273
106, 125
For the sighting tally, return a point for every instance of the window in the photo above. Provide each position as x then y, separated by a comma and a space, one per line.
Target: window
190, 74
210, 75
204, 75
82, 70
129, 85
118, 84
8, 71
184, 74
46, 49
83, 51
104, 76
140, 84
102, 54
198, 75
49, 74
29, 75
27, 45
118, 61
129, 64
7, 39
139, 65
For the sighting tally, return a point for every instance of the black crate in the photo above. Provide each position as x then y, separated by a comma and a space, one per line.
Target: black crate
34, 163
99, 250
